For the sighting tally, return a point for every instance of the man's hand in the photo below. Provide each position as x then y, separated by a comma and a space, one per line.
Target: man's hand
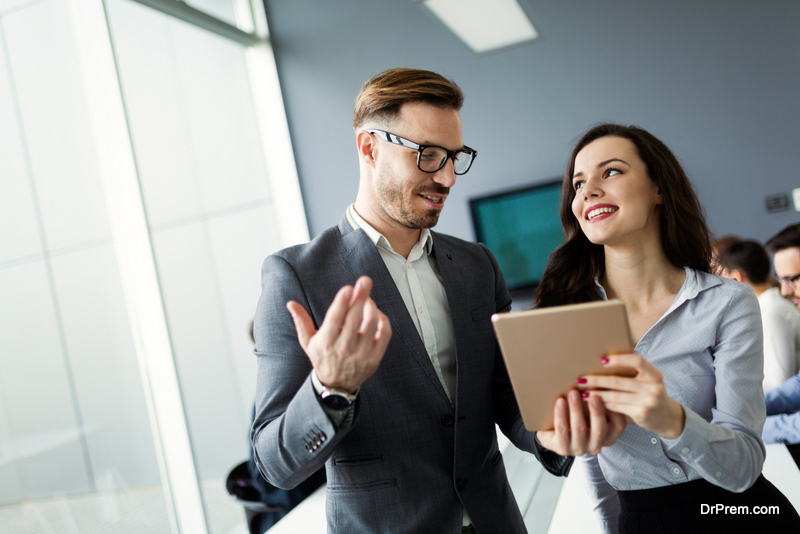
350, 343
572, 436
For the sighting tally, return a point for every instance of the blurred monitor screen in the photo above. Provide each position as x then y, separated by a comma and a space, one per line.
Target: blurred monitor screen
521, 228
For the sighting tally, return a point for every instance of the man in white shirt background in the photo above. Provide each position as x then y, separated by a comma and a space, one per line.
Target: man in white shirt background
748, 262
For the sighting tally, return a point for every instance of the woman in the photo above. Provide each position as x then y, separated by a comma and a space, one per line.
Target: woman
635, 232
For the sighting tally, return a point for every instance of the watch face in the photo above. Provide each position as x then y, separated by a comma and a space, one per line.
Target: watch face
335, 401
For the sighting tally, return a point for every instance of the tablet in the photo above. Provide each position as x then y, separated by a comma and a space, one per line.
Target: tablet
547, 349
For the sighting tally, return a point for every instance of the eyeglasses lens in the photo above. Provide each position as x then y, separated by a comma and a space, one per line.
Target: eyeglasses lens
462, 162
431, 159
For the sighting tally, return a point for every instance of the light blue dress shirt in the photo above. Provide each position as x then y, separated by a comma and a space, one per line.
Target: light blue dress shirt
782, 425
708, 347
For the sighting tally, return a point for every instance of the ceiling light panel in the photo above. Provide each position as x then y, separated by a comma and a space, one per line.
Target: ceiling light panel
485, 25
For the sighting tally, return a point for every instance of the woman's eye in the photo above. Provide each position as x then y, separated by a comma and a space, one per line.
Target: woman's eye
612, 172
577, 185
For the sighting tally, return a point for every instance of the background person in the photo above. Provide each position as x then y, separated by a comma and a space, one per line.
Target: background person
783, 421
635, 232
785, 248
396, 382
748, 262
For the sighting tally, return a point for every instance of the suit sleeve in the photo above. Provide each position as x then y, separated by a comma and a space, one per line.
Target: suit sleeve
506, 408
292, 436
783, 424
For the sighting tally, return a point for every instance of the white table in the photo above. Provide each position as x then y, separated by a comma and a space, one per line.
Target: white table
549, 505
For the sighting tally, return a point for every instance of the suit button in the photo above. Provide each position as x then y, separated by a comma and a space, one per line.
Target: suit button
460, 483
447, 420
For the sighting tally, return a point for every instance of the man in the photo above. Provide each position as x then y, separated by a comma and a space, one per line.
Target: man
783, 424
399, 389
785, 245
748, 262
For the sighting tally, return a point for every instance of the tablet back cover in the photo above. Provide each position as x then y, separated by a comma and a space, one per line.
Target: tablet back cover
546, 350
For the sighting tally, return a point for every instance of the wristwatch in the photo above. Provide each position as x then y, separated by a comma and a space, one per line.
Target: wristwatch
336, 399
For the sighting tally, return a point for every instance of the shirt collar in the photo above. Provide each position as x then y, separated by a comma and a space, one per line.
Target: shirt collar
696, 281
425, 237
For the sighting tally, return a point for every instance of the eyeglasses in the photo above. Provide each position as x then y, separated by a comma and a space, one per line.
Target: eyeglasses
790, 281
431, 158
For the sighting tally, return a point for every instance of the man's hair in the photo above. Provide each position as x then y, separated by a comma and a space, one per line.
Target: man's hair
787, 238
747, 257
382, 96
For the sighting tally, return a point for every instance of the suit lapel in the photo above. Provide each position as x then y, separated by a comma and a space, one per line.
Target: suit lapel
455, 287
361, 257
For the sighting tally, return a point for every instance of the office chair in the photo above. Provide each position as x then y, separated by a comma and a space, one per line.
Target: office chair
240, 486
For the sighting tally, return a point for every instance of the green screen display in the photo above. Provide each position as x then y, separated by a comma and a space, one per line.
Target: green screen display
521, 228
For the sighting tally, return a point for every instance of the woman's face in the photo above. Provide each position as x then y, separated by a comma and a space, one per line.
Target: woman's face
615, 199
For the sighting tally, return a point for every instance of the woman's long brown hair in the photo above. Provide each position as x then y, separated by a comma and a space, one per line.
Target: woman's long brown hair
573, 268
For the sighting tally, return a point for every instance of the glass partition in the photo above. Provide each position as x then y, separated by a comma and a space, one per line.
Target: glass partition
154, 155
77, 453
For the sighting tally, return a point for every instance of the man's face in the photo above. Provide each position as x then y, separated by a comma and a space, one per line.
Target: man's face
787, 266
403, 194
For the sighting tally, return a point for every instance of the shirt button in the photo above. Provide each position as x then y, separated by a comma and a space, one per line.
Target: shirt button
718, 474
421, 309
685, 450
653, 441
676, 470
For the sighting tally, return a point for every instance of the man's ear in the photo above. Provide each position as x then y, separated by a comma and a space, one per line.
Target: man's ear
738, 275
367, 146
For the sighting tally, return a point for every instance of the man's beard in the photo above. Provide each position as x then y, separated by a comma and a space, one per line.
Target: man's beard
392, 198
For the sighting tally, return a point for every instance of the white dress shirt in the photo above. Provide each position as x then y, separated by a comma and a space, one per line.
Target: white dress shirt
781, 321
420, 284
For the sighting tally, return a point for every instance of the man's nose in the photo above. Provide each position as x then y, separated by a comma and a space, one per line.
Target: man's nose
446, 176
786, 289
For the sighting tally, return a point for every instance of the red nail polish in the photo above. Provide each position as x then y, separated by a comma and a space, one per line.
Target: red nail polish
585, 394
603, 361
581, 381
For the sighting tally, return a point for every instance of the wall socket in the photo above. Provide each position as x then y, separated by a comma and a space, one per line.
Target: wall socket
778, 202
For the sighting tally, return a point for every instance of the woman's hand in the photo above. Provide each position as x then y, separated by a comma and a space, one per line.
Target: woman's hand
642, 398
572, 436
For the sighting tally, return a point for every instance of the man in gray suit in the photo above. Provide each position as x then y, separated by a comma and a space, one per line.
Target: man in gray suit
386, 369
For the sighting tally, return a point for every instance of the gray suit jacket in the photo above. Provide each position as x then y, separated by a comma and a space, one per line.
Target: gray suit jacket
409, 461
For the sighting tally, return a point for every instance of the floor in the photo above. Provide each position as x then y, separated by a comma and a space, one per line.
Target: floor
135, 511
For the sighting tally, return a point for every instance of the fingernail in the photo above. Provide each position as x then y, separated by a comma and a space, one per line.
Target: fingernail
585, 394
603, 361
581, 381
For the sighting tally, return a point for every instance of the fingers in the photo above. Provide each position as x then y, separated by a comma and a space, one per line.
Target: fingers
358, 299
557, 440
337, 312
577, 421
302, 323
626, 372
598, 425
350, 342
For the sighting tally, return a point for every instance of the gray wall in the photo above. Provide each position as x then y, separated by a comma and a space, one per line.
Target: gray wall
718, 81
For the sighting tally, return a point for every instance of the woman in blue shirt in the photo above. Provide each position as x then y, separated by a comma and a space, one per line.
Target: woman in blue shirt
635, 232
